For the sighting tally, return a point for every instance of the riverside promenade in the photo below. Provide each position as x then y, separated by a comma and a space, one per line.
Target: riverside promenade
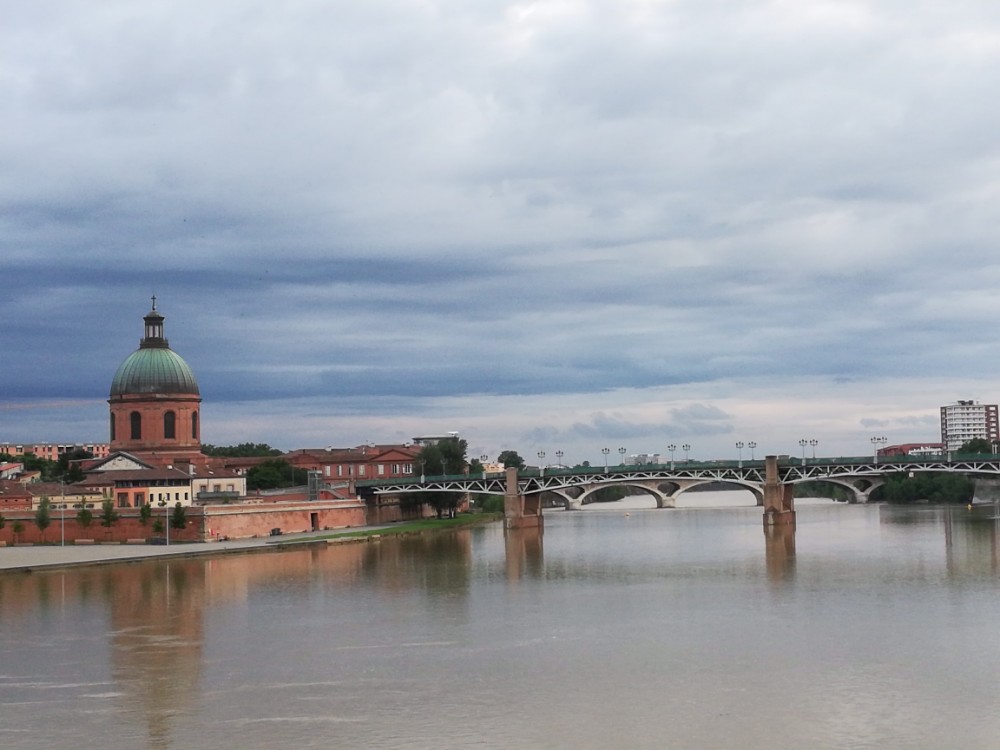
42, 557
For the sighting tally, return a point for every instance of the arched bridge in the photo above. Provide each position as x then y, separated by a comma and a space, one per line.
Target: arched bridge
665, 482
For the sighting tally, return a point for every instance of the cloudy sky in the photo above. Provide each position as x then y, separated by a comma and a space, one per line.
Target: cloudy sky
558, 225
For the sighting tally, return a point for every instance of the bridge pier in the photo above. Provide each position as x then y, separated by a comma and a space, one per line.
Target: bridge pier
520, 511
779, 509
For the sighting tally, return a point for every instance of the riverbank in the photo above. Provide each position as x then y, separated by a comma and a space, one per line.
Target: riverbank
48, 557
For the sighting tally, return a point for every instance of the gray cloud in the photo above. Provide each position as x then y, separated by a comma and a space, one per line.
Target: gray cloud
395, 209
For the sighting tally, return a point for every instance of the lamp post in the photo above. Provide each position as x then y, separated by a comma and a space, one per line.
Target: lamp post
751, 445
62, 505
814, 443
803, 443
671, 448
605, 451
876, 442
739, 447
559, 456
482, 460
686, 447
541, 463
421, 471
166, 518
621, 452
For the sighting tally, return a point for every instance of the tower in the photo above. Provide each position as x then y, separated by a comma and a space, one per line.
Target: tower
155, 401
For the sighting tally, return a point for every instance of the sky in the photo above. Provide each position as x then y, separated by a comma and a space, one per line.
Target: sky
553, 226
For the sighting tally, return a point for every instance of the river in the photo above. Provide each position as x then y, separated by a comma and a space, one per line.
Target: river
619, 627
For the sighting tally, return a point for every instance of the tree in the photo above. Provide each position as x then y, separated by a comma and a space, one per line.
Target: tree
178, 519
84, 517
49, 469
444, 457
68, 465
976, 445
3, 521
243, 450
277, 472
511, 458
109, 516
930, 487
145, 511
18, 529
43, 516
158, 526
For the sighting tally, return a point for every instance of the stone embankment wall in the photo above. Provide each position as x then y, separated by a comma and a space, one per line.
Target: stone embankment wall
237, 521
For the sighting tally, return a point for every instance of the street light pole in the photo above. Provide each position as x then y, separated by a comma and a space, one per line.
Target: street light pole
876, 442
482, 460
62, 505
803, 443
621, 452
559, 456
541, 463
671, 448
739, 447
686, 447
751, 445
605, 451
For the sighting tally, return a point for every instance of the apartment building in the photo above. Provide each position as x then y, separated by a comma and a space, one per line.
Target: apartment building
964, 420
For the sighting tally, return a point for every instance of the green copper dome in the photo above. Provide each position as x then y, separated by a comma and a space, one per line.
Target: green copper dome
153, 367
153, 371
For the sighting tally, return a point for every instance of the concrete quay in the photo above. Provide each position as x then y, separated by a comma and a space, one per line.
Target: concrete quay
42, 557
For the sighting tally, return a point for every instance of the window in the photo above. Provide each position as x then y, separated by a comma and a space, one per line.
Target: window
361, 470
170, 425
135, 421
381, 470
194, 425
112, 428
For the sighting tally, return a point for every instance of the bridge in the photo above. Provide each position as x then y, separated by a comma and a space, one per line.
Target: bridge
771, 480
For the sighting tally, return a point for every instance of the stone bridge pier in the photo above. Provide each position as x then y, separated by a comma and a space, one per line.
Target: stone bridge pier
520, 511
779, 507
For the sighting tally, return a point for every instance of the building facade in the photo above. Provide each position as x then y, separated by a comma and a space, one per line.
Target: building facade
966, 420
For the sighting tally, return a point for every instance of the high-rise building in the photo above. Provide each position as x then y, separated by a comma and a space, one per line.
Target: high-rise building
965, 420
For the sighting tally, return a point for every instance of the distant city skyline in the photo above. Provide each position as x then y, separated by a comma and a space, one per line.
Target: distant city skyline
558, 227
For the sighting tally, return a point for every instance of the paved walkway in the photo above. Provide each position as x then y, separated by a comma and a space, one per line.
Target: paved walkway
40, 557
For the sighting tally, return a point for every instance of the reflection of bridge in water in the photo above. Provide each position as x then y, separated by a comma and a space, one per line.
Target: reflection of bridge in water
770, 481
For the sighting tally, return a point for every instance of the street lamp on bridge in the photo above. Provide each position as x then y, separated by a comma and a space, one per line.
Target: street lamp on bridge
559, 455
605, 451
814, 443
482, 460
751, 445
803, 443
739, 447
621, 452
541, 463
876, 442
671, 448
686, 447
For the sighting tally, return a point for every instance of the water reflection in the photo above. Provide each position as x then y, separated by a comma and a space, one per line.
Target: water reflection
779, 552
523, 553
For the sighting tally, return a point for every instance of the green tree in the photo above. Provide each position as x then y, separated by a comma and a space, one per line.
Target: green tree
109, 516
3, 521
178, 519
277, 472
158, 526
68, 465
243, 450
49, 469
442, 458
145, 511
18, 529
976, 445
43, 516
930, 487
84, 517
511, 458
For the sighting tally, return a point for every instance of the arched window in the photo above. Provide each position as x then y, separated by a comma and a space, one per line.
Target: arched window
169, 425
135, 421
112, 428
194, 425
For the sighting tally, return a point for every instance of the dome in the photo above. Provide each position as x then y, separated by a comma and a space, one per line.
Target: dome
154, 367
153, 370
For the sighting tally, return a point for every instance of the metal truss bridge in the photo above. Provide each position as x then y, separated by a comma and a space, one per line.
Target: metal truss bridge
666, 481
